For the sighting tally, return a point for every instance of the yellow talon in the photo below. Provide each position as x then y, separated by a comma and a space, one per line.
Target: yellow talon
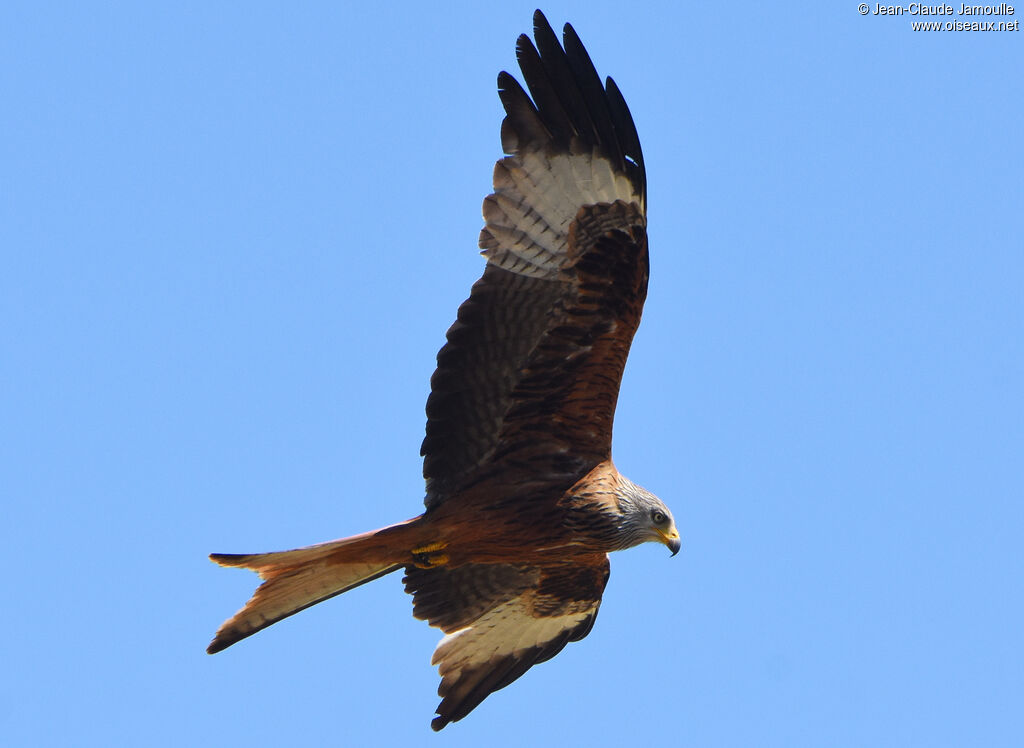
430, 548
428, 557
438, 559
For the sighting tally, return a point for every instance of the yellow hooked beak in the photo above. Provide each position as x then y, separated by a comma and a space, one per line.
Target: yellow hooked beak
670, 537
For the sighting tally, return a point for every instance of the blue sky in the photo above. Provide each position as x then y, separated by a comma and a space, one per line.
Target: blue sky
232, 239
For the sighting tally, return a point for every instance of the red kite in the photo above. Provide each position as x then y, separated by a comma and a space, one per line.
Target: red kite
523, 502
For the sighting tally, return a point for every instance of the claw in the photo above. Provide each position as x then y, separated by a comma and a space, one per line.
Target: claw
429, 556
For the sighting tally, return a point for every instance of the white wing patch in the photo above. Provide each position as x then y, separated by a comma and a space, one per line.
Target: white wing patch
536, 198
504, 631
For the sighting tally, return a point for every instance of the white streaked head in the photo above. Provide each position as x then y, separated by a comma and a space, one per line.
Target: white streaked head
644, 518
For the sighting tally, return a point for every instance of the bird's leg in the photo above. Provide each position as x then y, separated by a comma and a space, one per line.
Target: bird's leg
430, 556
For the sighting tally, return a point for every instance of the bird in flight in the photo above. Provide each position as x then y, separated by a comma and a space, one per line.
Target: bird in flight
523, 502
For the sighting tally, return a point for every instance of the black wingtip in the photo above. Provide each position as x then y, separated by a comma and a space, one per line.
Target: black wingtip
225, 640
438, 723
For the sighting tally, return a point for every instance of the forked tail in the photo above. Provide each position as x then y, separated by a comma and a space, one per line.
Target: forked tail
295, 580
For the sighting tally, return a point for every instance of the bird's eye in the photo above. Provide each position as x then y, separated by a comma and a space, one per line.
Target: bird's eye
658, 517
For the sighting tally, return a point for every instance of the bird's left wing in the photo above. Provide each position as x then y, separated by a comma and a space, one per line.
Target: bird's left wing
500, 620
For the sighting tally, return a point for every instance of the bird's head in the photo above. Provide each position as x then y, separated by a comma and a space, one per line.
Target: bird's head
644, 518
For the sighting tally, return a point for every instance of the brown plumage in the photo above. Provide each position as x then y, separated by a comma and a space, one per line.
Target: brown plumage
523, 502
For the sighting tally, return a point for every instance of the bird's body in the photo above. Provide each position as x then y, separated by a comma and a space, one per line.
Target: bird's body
523, 501
498, 521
